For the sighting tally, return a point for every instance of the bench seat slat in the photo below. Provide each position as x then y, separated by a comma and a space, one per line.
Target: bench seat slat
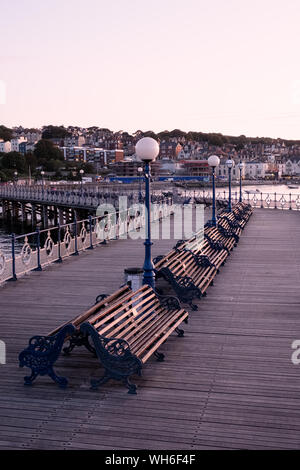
149, 323
113, 316
163, 338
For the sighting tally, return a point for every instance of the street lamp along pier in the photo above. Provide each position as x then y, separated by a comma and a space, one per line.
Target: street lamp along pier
213, 162
147, 150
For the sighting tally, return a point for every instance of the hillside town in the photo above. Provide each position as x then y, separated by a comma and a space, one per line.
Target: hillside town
102, 152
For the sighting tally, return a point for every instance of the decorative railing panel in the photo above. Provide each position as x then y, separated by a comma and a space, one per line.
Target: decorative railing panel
79, 198
35, 250
260, 200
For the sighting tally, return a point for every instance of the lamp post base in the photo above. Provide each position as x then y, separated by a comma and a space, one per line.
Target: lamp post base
149, 279
148, 268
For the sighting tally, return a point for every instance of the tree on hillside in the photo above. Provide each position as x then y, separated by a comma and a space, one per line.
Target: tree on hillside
31, 161
45, 150
3, 177
150, 134
6, 133
13, 161
215, 139
55, 132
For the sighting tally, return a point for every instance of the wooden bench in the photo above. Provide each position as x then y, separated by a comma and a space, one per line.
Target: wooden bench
228, 228
242, 211
43, 351
234, 222
127, 334
126, 329
191, 267
223, 235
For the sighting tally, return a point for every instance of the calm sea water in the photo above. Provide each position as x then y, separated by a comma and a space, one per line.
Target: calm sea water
279, 189
5, 236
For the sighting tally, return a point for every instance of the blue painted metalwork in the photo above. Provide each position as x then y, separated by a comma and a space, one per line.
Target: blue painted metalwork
38, 248
183, 286
228, 233
101, 297
149, 276
13, 257
42, 353
215, 245
157, 259
59, 260
241, 194
202, 261
233, 224
91, 233
179, 244
115, 356
229, 187
79, 339
213, 219
76, 253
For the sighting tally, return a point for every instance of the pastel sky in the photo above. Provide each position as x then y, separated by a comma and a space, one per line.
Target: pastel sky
229, 66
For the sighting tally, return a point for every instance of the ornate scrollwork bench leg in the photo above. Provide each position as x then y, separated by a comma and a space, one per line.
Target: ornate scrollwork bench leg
41, 355
79, 339
115, 356
183, 286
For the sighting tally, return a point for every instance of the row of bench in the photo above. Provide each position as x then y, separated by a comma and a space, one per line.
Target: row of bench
127, 327
192, 264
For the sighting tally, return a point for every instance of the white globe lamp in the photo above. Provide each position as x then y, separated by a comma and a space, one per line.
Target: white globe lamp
147, 149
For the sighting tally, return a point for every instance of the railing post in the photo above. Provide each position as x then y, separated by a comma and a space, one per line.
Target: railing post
13, 257
76, 253
59, 259
275, 202
261, 201
91, 233
38, 250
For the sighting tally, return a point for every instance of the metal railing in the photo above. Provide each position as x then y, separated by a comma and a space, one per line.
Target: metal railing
35, 250
260, 200
79, 198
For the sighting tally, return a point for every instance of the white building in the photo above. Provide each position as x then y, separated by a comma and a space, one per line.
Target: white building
292, 167
15, 143
256, 169
5, 147
74, 141
222, 172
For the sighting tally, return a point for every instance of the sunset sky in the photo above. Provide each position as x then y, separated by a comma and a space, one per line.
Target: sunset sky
213, 66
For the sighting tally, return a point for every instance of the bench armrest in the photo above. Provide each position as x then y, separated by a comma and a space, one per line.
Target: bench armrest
115, 347
169, 301
100, 297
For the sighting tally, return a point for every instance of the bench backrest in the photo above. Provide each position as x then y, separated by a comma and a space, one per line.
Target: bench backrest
118, 319
85, 316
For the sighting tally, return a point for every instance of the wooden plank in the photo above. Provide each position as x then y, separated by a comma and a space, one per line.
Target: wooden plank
228, 384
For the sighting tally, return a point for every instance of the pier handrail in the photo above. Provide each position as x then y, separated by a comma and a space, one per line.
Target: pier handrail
39, 248
89, 198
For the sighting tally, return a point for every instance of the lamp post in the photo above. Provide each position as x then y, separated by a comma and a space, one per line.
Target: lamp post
213, 162
43, 182
81, 175
140, 170
147, 149
241, 166
15, 177
229, 164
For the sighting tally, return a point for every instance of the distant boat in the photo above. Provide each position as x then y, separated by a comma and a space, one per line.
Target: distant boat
252, 191
293, 186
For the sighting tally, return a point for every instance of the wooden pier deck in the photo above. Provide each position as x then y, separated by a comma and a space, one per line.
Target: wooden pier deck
228, 384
